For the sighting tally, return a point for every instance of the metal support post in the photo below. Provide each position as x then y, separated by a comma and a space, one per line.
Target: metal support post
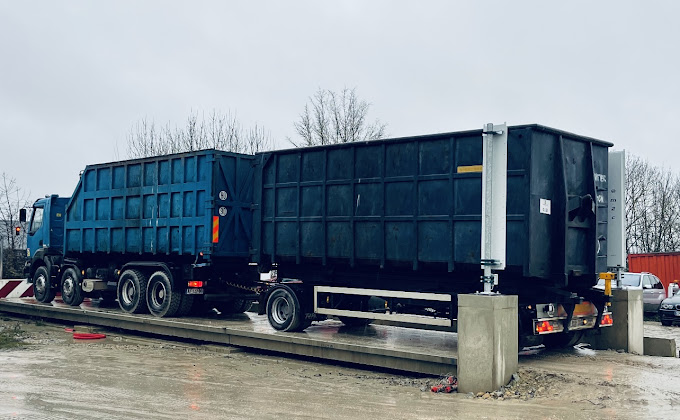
494, 193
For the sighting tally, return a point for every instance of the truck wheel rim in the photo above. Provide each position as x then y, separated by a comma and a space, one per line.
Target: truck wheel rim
68, 286
40, 284
280, 310
128, 292
158, 294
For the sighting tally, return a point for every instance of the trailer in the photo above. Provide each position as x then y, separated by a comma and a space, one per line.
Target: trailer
382, 230
401, 220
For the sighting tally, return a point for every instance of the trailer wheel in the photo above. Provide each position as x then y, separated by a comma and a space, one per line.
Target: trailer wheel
42, 287
161, 297
562, 340
283, 310
71, 291
131, 292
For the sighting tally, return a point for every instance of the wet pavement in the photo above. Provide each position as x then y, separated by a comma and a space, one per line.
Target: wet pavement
128, 377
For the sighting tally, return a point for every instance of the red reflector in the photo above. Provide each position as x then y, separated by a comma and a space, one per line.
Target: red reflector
607, 320
544, 326
195, 284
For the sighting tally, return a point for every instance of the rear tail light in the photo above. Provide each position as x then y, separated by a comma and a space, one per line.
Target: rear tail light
607, 320
195, 284
544, 327
549, 326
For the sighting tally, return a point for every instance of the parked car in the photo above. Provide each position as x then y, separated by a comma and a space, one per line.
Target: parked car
653, 292
669, 311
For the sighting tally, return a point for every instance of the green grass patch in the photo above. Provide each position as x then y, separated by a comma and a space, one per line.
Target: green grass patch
10, 336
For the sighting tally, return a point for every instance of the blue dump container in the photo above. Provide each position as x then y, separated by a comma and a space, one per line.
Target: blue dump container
414, 204
174, 205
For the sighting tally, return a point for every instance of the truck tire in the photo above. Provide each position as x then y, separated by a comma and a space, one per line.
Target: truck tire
131, 292
284, 311
162, 298
71, 290
562, 340
42, 286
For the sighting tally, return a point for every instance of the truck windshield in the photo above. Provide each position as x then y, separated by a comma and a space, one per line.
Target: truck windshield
36, 220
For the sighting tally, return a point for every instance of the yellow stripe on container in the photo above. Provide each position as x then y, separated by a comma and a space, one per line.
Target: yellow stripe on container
471, 168
216, 229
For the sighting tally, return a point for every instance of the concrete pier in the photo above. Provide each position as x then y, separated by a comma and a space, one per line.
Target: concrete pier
627, 332
487, 341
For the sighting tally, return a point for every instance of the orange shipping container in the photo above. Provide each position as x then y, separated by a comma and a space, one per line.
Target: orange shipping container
666, 265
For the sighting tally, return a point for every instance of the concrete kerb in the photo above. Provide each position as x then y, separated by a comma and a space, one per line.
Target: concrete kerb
664, 347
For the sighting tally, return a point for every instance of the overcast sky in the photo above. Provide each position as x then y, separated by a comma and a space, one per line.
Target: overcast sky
76, 75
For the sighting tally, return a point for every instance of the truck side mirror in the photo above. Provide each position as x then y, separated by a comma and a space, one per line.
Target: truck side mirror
22, 215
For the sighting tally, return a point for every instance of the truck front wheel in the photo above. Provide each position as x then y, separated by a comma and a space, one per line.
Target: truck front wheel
42, 287
71, 291
131, 292
162, 298
284, 311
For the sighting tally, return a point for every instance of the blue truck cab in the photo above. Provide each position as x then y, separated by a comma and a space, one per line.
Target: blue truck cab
45, 238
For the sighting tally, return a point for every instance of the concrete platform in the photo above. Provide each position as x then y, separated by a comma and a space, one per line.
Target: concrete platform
404, 349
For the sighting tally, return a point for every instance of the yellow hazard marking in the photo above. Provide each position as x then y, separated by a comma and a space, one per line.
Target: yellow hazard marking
216, 229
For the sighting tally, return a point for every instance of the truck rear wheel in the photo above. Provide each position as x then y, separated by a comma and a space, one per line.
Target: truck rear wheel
42, 287
71, 291
161, 297
284, 311
131, 292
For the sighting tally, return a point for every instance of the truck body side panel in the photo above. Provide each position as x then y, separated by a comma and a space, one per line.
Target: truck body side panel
166, 205
414, 204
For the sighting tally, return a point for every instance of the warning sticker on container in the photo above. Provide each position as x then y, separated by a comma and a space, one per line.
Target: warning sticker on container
545, 206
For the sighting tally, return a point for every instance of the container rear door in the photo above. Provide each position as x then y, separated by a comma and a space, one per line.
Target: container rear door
232, 212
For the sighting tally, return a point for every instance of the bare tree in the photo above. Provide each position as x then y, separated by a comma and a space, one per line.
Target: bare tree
217, 131
331, 118
652, 208
12, 199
